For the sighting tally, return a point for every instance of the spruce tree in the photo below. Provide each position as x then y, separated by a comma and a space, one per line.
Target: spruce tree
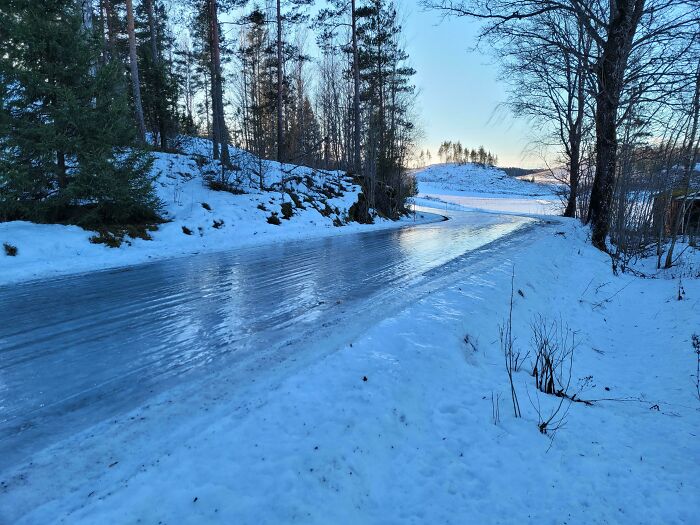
67, 132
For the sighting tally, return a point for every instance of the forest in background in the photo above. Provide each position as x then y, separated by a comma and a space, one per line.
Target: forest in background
89, 87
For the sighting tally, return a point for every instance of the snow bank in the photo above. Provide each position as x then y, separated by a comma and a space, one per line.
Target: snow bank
199, 219
396, 425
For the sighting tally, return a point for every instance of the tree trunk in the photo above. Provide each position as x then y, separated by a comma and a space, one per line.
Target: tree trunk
574, 174
280, 146
62, 173
111, 31
135, 83
213, 47
691, 153
152, 29
356, 94
624, 20
219, 123
155, 60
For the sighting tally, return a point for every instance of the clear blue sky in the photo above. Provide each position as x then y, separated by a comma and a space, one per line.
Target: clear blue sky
459, 90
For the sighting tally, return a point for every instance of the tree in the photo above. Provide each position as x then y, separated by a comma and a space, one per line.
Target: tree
158, 81
280, 136
69, 149
133, 64
548, 82
387, 95
330, 20
187, 74
689, 153
618, 30
220, 131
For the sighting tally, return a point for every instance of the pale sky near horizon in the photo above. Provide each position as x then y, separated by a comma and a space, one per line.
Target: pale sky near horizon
459, 92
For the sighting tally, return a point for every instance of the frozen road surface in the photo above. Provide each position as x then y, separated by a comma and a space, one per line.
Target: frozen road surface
78, 350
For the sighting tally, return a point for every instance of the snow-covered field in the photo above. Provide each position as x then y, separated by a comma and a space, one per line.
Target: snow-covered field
396, 425
475, 187
215, 220
407, 417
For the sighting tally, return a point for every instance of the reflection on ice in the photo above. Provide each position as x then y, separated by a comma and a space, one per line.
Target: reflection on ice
75, 350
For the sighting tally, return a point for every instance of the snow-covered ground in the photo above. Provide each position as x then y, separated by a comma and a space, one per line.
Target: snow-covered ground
395, 424
405, 415
201, 220
214, 220
471, 186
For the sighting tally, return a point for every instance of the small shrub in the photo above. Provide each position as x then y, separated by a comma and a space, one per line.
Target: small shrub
200, 160
138, 231
10, 250
287, 210
505, 332
217, 185
114, 236
206, 206
554, 344
360, 212
274, 219
108, 238
495, 408
218, 224
295, 199
186, 230
262, 207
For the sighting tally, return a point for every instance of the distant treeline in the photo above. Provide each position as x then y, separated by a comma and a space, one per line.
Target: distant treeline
453, 151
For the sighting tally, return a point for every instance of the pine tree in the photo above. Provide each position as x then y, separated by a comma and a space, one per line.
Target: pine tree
187, 74
481, 159
387, 96
158, 84
68, 138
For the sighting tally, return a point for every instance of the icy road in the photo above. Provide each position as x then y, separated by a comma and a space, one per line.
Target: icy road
77, 350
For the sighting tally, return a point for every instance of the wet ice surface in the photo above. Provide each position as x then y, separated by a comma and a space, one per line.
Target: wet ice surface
77, 350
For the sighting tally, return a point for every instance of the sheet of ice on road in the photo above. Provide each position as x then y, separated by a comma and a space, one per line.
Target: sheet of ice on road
76, 350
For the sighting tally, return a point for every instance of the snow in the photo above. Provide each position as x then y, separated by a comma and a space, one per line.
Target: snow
46, 250
119, 337
474, 187
475, 178
390, 421
386, 414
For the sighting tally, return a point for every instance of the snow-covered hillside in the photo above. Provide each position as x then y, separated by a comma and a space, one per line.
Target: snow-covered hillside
475, 178
472, 186
412, 421
310, 203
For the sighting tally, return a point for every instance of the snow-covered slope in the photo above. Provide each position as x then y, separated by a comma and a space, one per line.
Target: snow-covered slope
474, 178
199, 219
471, 186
